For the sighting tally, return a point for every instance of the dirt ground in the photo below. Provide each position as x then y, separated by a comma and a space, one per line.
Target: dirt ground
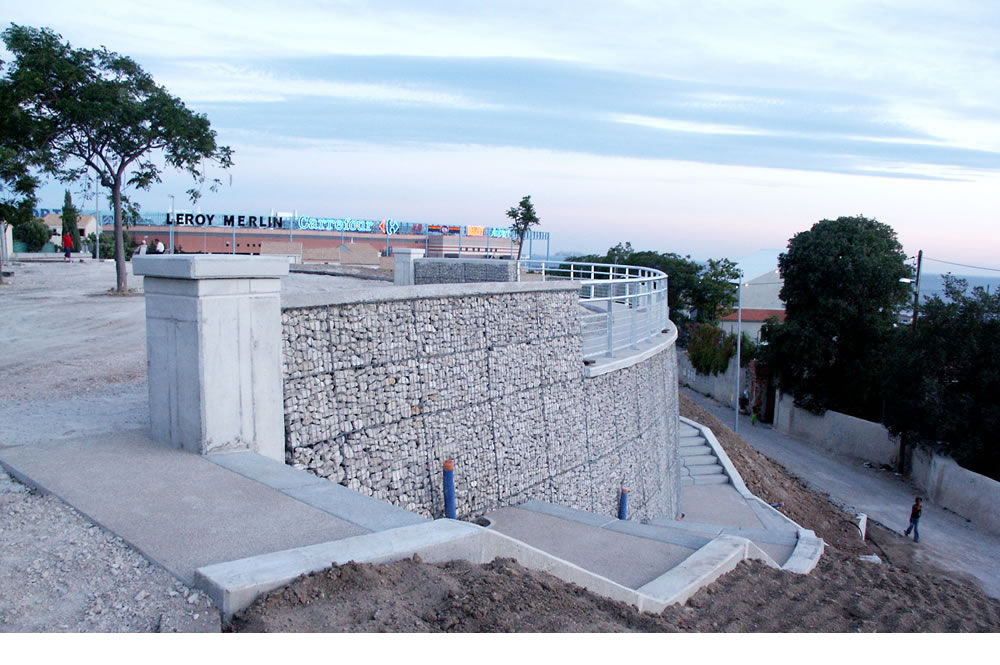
843, 594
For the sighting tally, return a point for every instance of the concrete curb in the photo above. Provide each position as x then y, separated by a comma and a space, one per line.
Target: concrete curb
234, 585
808, 549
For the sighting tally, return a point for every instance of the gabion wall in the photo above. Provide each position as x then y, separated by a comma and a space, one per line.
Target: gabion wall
378, 394
463, 271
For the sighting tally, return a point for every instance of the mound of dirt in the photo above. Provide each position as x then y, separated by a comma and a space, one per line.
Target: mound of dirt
843, 594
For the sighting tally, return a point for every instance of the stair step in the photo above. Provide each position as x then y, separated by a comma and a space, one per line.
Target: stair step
692, 442
698, 460
687, 480
687, 430
689, 451
705, 469
709, 480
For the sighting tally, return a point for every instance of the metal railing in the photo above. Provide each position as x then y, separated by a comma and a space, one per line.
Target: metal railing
626, 305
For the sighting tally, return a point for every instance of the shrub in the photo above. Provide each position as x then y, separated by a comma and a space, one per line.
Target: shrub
108, 244
34, 233
710, 349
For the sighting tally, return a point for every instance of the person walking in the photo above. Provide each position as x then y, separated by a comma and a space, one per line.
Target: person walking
915, 511
67, 241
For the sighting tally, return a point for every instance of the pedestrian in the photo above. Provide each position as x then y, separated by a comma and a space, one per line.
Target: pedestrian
159, 246
915, 511
143, 248
67, 240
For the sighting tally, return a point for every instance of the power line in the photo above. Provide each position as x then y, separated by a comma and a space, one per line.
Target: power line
963, 265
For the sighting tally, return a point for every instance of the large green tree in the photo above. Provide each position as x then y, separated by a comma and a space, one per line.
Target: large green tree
842, 295
943, 381
524, 217
95, 110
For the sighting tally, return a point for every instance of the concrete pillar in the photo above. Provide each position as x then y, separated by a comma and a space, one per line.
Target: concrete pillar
403, 268
213, 348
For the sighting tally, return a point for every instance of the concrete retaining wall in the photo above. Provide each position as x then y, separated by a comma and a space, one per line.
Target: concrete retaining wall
459, 271
721, 387
971, 495
836, 431
381, 387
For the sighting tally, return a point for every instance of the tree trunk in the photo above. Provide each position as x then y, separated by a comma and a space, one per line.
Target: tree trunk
120, 268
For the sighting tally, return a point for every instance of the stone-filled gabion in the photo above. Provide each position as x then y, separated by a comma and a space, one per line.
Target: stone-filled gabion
378, 395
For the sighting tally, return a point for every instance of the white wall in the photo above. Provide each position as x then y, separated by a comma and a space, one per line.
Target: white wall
971, 495
836, 431
721, 387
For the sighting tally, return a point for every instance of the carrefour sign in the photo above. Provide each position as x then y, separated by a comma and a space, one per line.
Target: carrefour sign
328, 224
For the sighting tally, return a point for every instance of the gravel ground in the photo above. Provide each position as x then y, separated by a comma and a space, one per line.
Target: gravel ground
79, 371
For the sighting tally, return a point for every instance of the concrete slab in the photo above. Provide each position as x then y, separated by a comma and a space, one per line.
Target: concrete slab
342, 502
354, 507
563, 512
271, 472
625, 559
717, 504
180, 510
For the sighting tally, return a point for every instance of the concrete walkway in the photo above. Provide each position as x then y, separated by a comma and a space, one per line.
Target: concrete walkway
946, 539
183, 511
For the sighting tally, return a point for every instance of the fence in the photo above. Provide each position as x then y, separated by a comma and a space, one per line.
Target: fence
626, 305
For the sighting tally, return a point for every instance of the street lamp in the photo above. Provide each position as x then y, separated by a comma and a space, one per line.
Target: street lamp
739, 340
172, 214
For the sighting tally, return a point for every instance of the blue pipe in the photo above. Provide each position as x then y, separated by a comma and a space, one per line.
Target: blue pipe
449, 489
623, 505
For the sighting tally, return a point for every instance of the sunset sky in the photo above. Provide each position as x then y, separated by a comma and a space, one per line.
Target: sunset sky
709, 129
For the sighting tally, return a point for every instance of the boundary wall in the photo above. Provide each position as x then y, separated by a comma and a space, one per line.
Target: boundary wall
971, 495
381, 386
721, 387
837, 432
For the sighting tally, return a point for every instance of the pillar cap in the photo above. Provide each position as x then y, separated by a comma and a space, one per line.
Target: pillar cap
210, 266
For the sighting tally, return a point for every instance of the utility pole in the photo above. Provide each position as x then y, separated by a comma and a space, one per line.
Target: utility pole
916, 288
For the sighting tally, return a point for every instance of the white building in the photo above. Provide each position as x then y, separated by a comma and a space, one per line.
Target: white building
760, 287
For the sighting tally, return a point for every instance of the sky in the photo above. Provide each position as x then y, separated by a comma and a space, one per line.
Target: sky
710, 129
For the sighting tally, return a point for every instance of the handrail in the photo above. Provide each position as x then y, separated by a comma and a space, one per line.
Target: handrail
627, 305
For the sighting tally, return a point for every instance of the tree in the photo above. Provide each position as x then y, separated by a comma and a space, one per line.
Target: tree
943, 381
524, 218
96, 110
69, 221
842, 299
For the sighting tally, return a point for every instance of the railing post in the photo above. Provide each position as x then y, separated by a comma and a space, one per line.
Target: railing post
611, 326
635, 311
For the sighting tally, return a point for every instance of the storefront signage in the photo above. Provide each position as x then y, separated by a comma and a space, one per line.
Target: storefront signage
244, 221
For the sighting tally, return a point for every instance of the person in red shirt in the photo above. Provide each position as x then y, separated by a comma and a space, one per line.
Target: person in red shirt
67, 241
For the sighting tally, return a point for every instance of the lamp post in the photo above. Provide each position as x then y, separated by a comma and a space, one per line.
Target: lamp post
172, 214
739, 340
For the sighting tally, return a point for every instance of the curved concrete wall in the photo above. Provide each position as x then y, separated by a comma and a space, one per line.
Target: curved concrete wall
381, 387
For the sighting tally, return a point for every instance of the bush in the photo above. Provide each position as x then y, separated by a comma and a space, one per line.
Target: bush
710, 349
108, 244
34, 233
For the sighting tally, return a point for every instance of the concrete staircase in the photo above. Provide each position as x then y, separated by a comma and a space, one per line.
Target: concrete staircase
699, 465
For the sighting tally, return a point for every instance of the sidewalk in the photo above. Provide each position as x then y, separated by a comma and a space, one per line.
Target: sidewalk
946, 539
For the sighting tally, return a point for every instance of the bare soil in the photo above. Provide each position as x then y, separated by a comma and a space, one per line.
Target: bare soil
843, 593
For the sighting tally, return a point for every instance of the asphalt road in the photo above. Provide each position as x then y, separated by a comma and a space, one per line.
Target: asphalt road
946, 539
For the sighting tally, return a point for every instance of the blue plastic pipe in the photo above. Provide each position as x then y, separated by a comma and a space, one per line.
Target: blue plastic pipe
623, 505
449, 489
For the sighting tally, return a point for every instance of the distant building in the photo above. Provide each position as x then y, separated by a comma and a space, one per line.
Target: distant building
86, 223
760, 287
